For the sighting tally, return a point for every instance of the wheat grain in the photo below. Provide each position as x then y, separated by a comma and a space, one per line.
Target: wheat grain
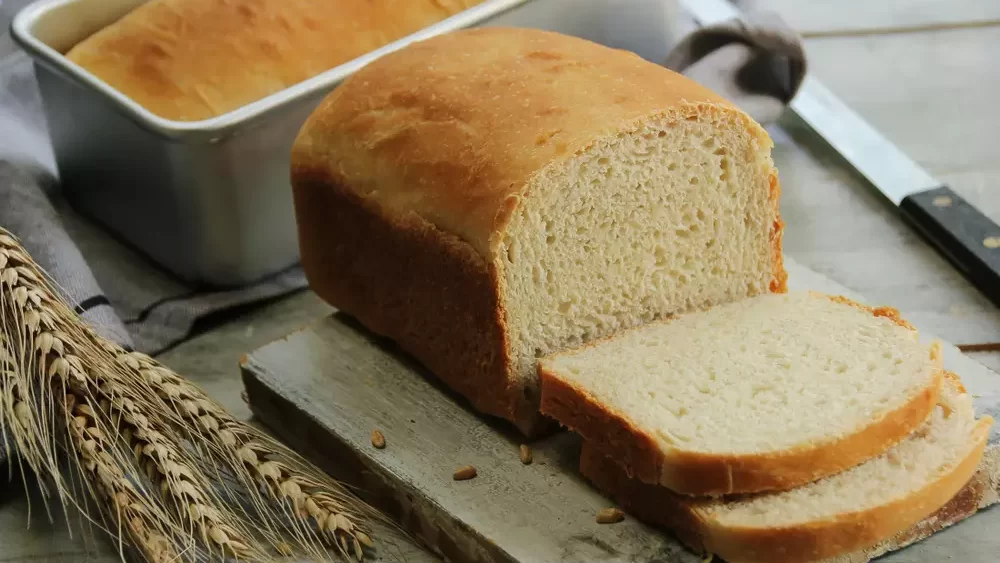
610, 516
525, 454
464, 473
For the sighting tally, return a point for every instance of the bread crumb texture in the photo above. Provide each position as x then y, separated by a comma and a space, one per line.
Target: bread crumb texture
765, 374
672, 217
930, 452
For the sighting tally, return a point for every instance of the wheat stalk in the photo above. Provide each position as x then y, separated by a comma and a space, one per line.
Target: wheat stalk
309, 498
169, 467
128, 506
37, 368
58, 378
26, 423
55, 355
186, 488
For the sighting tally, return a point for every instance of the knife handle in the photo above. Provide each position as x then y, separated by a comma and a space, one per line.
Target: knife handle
959, 231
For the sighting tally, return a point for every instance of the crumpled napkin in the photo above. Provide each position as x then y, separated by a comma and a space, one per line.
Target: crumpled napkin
757, 63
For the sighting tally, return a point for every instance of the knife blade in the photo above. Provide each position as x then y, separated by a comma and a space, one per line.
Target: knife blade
966, 237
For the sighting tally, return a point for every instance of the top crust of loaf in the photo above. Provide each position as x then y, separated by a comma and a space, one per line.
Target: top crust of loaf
454, 128
702, 473
188, 60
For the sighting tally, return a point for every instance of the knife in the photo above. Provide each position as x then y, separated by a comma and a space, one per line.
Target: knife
960, 232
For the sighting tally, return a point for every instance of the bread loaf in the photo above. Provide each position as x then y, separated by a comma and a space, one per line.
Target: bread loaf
767, 393
490, 196
839, 519
189, 60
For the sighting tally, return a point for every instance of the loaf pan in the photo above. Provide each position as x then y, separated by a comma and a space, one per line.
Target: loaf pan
210, 200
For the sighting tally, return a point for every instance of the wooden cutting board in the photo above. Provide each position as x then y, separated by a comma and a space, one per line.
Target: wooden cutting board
325, 388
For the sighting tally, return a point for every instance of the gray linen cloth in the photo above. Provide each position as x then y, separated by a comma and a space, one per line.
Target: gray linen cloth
757, 64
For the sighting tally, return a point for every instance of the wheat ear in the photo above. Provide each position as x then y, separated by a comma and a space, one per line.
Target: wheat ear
37, 372
187, 490
51, 364
127, 506
57, 352
302, 492
20, 420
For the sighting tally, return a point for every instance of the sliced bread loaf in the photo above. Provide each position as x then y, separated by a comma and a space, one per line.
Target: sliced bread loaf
841, 514
493, 195
767, 393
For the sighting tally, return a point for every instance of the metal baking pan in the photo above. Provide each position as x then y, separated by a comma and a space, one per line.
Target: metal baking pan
210, 200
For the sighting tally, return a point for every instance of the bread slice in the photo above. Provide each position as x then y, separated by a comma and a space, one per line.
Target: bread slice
830, 518
767, 393
494, 195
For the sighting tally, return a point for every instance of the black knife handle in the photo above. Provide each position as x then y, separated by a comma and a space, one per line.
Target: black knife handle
966, 237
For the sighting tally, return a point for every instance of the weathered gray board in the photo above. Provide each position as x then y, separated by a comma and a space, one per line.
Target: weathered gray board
325, 388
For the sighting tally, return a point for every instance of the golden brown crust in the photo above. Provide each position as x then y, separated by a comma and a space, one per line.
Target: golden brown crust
693, 473
848, 532
454, 128
195, 59
954, 380
779, 284
964, 504
645, 458
402, 278
851, 537
885, 312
